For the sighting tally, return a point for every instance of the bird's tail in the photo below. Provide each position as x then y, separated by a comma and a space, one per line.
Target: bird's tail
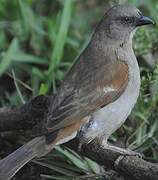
15, 161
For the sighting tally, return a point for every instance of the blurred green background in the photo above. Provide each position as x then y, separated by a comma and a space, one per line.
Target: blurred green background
39, 41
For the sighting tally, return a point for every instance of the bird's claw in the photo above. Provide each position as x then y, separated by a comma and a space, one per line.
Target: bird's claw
133, 153
127, 153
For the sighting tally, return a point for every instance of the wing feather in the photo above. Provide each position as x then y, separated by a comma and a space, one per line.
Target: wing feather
85, 90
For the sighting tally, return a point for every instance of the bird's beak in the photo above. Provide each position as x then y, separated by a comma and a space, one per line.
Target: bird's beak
143, 20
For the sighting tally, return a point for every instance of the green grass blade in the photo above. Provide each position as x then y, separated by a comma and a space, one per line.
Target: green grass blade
20, 82
74, 159
43, 89
56, 169
8, 56
23, 16
93, 166
61, 36
55, 177
28, 58
65, 165
17, 88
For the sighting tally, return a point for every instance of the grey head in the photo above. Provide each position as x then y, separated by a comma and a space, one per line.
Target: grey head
120, 22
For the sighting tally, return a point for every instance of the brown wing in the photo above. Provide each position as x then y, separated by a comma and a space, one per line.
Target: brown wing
86, 89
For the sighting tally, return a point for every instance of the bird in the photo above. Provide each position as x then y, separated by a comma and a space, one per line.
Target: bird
97, 94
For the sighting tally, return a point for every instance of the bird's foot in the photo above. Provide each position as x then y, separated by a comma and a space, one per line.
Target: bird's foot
129, 152
122, 151
121, 157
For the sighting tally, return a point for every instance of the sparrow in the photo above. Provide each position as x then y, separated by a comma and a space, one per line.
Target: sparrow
96, 96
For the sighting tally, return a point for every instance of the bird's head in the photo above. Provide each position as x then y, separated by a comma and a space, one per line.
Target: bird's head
121, 21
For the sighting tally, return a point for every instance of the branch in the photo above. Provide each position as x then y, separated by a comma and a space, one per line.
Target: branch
32, 113
130, 167
26, 116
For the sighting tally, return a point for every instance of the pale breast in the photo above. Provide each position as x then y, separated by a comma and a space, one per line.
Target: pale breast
109, 118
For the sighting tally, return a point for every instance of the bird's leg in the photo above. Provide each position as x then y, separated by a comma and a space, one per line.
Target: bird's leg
122, 151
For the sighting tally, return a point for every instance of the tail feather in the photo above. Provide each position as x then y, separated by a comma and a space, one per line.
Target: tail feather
11, 164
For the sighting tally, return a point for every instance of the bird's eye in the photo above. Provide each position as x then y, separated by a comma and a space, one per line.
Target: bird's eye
127, 19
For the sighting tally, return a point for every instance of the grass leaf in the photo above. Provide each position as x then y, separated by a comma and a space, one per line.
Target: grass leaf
28, 58
56, 169
8, 56
17, 87
61, 36
43, 89
72, 158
